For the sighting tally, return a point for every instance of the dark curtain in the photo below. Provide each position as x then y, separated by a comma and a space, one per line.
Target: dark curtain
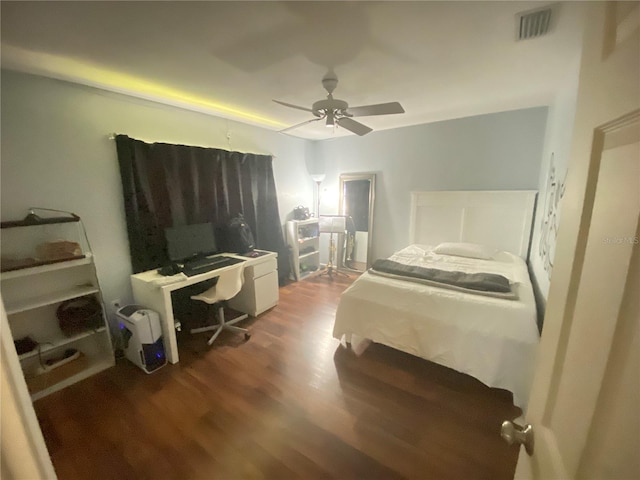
168, 185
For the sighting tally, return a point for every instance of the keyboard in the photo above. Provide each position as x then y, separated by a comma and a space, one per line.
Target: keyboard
202, 265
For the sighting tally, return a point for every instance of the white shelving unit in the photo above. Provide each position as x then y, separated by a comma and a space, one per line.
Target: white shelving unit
33, 291
303, 238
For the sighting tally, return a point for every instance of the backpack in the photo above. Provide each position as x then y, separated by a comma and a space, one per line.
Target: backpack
301, 213
238, 235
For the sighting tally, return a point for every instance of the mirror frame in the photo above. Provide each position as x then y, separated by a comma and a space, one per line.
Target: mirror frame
349, 177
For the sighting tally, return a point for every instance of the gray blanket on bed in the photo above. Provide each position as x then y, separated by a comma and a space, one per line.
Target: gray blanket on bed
481, 282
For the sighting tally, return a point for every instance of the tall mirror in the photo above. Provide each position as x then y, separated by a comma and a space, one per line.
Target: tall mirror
357, 194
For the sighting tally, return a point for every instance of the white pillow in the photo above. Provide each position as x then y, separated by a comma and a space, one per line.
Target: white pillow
470, 250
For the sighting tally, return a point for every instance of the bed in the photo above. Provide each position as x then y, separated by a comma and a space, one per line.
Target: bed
490, 336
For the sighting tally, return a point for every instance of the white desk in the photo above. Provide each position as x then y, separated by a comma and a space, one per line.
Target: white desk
259, 292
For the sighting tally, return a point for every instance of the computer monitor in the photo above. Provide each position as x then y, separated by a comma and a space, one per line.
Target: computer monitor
190, 241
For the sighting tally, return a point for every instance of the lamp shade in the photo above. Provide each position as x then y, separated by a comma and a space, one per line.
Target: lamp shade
332, 223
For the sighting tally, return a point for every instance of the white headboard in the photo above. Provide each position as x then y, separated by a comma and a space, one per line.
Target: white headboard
499, 219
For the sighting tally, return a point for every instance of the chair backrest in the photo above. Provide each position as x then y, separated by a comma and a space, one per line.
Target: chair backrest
229, 284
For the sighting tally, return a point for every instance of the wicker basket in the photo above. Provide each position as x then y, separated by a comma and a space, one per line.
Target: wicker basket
79, 315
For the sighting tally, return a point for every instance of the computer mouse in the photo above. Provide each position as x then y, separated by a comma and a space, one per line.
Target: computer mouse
168, 270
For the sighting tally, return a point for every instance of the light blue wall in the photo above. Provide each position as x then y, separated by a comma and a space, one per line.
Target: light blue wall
56, 153
557, 148
500, 151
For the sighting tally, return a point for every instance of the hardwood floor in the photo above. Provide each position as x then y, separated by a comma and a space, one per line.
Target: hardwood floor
289, 403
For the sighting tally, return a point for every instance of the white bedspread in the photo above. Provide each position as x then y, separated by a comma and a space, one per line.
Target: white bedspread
494, 340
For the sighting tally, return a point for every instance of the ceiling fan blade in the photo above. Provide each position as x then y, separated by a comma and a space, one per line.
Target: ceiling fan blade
353, 126
294, 106
300, 124
378, 109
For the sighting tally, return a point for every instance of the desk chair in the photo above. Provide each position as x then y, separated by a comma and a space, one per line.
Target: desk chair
228, 285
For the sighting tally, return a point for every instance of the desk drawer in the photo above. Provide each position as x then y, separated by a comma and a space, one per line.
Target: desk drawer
260, 290
262, 268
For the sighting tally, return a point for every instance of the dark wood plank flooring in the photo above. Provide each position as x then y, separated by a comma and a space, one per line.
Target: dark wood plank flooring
289, 403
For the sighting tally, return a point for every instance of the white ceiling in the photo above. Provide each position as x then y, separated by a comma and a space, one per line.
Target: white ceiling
440, 60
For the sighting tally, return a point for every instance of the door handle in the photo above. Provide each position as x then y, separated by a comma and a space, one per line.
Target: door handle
514, 433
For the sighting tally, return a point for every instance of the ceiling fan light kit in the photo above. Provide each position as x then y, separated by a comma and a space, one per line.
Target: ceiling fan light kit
337, 112
330, 121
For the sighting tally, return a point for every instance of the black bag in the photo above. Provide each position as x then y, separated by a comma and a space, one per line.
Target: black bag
79, 315
301, 213
238, 235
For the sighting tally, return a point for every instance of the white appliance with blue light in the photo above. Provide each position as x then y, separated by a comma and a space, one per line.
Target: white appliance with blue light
142, 337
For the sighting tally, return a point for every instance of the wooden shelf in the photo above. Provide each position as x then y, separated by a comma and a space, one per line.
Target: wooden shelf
49, 267
39, 221
52, 344
49, 299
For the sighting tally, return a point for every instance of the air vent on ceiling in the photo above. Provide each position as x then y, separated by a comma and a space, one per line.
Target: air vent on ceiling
534, 23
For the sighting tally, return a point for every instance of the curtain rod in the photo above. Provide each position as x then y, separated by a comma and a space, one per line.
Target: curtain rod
112, 136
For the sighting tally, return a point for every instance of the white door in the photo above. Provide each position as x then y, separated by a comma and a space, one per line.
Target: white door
23, 452
584, 405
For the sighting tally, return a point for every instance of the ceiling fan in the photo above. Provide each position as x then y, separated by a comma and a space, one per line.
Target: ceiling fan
338, 112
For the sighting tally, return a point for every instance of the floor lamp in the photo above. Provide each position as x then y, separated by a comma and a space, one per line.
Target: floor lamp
318, 178
332, 224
